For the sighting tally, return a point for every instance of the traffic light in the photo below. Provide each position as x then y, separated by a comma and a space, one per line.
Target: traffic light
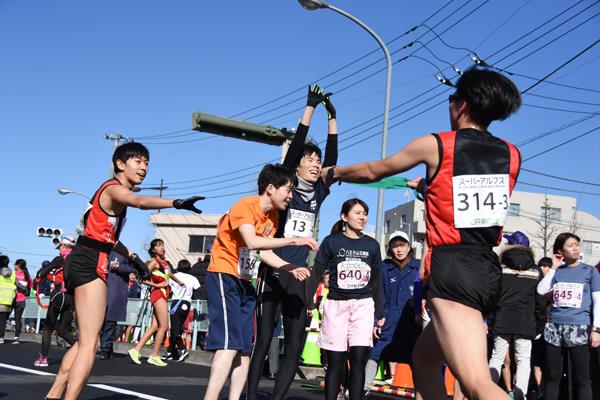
240, 129
54, 233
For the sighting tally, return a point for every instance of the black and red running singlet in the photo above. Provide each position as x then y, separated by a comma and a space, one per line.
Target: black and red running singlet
97, 224
468, 196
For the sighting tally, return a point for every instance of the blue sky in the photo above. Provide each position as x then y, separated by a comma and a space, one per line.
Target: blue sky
74, 71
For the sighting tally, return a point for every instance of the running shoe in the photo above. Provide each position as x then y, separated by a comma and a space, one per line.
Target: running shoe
156, 361
167, 356
16, 341
2, 341
183, 355
41, 361
135, 356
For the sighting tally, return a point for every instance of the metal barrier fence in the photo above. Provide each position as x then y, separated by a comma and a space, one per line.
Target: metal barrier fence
139, 313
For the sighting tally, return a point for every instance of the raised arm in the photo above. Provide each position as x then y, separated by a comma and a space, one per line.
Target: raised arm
331, 147
314, 97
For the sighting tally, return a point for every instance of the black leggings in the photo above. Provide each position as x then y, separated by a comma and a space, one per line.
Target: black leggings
59, 317
19, 308
277, 289
3, 318
177, 320
579, 357
336, 372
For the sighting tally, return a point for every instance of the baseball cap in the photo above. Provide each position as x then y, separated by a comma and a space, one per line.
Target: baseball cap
399, 234
68, 240
517, 237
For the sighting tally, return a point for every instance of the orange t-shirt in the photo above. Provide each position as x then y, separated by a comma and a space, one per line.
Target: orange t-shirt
229, 254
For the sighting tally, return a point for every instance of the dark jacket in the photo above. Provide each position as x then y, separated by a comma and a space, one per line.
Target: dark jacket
118, 288
199, 272
398, 284
521, 311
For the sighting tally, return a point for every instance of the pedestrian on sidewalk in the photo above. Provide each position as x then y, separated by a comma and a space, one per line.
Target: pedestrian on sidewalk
116, 310
8, 291
24, 285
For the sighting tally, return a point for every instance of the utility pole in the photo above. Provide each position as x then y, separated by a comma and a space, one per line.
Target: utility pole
117, 138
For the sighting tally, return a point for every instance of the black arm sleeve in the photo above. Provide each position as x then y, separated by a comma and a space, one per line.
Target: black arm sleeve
331, 151
55, 263
292, 157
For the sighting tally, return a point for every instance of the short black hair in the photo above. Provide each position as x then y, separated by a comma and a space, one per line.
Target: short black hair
491, 96
308, 149
184, 266
560, 240
545, 262
276, 175
129, 150
4, 261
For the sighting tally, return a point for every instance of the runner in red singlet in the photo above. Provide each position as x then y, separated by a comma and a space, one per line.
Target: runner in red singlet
470, 176
159, 296
86, 267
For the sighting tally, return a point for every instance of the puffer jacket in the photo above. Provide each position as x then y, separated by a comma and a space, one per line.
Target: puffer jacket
521, 311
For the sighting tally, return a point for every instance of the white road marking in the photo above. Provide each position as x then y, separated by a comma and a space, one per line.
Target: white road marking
97, 386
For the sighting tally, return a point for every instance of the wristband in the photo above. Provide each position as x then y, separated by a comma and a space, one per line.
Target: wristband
330, 176
596, 329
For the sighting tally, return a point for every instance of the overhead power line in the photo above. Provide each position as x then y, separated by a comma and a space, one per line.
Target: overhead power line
560, 177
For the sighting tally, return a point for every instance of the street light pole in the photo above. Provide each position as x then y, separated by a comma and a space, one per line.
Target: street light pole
313, 5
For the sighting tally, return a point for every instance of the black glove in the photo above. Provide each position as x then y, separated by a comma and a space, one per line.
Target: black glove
140, 266
188, 204
329, 107
315, 96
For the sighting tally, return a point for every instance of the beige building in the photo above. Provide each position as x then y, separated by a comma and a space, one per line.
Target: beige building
541, 217
185, 235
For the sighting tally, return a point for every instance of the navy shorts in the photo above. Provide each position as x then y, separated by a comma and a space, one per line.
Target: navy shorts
231, 304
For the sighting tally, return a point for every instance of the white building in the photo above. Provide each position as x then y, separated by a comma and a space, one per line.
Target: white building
185, 235
541, 217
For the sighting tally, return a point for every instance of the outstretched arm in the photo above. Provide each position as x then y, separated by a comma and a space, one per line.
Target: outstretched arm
55, 263
421, 150
255, 242
277, 262
119, 196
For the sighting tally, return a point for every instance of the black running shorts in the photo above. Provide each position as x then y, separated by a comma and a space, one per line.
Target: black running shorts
83, 266
470, 275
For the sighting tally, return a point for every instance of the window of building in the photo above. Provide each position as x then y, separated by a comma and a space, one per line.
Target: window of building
514, 210
589, 247
386, 227
199, 244
552, 212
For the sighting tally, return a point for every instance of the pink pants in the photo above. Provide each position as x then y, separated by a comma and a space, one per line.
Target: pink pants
347, 323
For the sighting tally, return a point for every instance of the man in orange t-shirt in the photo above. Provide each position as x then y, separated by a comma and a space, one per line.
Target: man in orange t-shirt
246, 229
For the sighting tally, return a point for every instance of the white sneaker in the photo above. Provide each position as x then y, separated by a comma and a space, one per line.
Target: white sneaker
2, 341
16, 341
